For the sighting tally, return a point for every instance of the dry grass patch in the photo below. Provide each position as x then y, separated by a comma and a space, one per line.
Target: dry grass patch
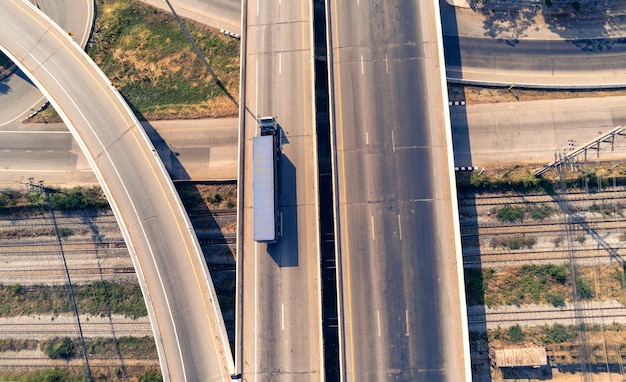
479, 94
149, 59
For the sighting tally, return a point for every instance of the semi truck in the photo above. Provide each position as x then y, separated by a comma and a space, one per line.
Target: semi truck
265, 181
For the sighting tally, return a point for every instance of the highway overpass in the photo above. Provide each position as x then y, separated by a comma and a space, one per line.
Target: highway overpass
279, 319
402, 296
19, 97
182, 305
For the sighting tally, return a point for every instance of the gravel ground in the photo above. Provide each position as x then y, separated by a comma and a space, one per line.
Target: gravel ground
47, 327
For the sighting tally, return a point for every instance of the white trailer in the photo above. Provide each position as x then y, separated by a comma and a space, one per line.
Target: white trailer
264, 156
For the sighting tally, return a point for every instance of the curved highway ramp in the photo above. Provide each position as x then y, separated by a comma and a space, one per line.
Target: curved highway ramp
184, 312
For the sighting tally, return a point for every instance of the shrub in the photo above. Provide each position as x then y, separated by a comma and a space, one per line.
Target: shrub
581, 239
151, 376
555, 300
510, 214
557, 241
65, 232
540, 212
515, 334
584, 288
61, 348
215, 198
230, 203
48, 375
513, 242
475, 286
479, 181
558, 334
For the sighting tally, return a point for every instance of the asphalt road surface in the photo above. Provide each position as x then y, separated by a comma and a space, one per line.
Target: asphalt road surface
281, 314
18, 96
401, 293
510, 49
181, 301
220, 14
533, 131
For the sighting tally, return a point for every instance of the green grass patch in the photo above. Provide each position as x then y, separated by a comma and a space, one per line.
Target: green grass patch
476, 283
540, 212
513, 242
30, 203
99, 298
510, 214
526, 284
149, 59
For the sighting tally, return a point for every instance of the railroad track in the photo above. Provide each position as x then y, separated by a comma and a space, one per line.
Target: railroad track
219, 212
499, 260
546, 314
500, 200
543, 228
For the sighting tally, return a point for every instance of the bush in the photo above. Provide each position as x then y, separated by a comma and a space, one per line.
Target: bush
540, 212
555, 300
65, 232
215, 198
559, 334
48, 375
515, 334
510, 214
557, 241
230, 204
62, 348
513, 242
475, 286
583, 286
581, 239
479, 181
151, 376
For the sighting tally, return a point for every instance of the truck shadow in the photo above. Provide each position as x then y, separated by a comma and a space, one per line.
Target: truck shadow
285, 251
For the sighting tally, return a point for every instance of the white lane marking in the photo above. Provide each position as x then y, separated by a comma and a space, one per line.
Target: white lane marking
378, 321
257, 7
40, 102
140, 223
367, 138
256, 308
406, 314
256, 90
362, 67
280, 63
6, 150
373, 234
387, 63
282, 316
400, 226
28, 151
393, 142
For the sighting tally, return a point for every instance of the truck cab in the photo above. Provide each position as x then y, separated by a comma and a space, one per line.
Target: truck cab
267, 125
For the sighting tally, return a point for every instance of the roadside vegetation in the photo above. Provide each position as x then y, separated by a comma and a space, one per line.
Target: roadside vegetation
148, 58
28, 203
520, 179
485, 94
76, 374
97, 299
542, 284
